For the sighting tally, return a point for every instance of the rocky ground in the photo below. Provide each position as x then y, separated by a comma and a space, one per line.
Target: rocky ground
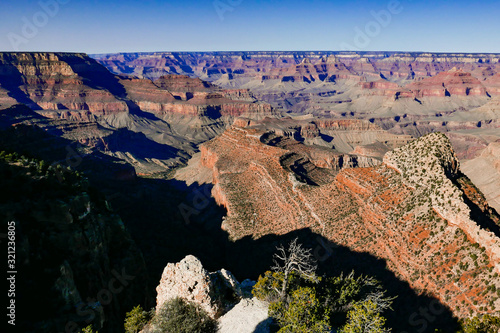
248, 316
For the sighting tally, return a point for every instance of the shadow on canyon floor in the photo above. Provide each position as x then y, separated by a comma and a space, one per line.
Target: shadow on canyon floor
138, 145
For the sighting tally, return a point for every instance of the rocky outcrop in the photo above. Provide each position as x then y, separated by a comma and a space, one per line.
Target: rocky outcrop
413, 93
174, 95
76, 88
86, 102
416, 210
187, 279
178, 84
248, 316
381, 87
360, 85
75, 82
342, 135
436, 157
444, 84
492, 84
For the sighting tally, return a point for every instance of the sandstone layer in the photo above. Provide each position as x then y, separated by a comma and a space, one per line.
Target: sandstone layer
59, 81
389, 64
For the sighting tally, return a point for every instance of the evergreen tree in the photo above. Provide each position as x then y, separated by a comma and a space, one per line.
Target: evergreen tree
135, 320
364, 317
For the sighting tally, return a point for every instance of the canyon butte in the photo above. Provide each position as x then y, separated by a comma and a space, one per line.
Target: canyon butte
391, 159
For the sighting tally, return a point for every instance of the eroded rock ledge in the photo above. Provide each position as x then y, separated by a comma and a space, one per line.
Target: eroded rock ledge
187, 279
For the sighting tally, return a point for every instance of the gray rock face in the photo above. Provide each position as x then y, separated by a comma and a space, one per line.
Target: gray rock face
187, 279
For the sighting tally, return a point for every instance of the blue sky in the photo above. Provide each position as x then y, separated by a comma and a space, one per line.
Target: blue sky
99, 26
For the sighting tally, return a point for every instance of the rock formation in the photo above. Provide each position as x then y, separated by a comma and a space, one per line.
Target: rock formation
325, 166
60, 81
297, 64
493, 84
396, 89
218, 293
454, 82
181, 95
187, 279
248, 316
416, 210
445, 84
75, 82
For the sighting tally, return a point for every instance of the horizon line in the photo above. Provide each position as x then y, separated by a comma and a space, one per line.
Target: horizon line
298, 51
263, 51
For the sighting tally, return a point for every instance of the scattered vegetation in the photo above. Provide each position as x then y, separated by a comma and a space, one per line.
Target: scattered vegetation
364, 317
481, 324
26, 176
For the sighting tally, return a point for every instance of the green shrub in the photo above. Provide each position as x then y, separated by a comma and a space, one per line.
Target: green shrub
303, 312
180, 316
364, 317
88, 329
319, 306
302, 302
482, 324
135, 320
268, 287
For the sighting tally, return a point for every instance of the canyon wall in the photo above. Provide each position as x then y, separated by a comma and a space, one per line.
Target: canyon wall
168, 117
416, 210
389, 64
